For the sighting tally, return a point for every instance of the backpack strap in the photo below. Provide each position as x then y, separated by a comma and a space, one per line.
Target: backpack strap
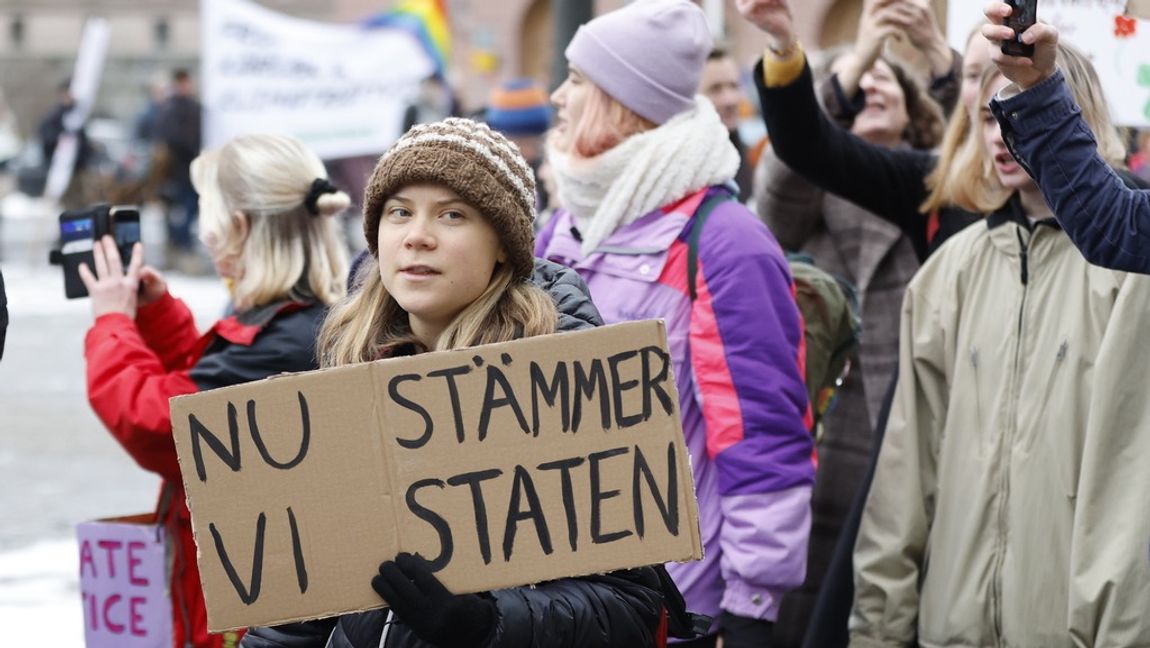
701, 216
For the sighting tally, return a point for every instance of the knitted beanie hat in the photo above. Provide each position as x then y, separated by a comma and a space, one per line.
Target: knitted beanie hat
648, 55
519, 107
479, 164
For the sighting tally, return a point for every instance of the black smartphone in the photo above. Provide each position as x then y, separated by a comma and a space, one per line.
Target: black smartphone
1024, 13
79, 231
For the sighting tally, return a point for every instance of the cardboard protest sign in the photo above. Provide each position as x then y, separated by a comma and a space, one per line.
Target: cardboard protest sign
123, 584
503, 465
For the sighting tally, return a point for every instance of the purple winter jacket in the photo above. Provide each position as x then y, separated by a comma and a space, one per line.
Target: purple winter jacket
737, 354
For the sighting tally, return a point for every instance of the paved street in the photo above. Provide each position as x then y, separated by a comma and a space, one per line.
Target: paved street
58, 466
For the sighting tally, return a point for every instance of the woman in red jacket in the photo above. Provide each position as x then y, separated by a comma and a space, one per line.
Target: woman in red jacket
265, 218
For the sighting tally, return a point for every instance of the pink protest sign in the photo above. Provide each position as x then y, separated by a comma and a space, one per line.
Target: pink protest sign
123, 583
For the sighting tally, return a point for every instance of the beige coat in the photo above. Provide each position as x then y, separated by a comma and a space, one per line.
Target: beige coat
1010, 502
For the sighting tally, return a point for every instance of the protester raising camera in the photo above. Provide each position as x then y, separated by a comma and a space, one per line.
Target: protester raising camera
1107, 219
266, 219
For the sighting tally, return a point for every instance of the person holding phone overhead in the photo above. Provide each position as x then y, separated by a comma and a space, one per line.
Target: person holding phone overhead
994, 517
1108, 220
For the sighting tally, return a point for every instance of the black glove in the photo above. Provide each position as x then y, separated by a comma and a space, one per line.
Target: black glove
435, 615
745, 632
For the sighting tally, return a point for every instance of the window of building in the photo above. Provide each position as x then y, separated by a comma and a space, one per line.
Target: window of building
16, 30
161, 32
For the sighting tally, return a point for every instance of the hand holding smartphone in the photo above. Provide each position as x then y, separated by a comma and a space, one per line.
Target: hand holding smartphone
1023, 15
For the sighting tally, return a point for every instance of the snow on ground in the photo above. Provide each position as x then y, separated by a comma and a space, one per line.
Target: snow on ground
40, 597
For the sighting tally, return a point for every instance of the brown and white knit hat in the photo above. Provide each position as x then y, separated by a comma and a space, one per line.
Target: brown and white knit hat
481, 165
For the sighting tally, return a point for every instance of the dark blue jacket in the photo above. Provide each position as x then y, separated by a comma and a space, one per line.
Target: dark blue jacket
1107, 220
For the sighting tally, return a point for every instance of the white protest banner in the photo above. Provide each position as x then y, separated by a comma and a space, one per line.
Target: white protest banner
85, 84
1117, 44
123, 583
339, 89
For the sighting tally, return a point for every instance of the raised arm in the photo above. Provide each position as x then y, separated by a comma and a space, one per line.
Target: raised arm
1044, 129
886, 182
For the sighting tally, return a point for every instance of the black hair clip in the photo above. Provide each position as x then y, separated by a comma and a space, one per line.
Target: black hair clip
319, 187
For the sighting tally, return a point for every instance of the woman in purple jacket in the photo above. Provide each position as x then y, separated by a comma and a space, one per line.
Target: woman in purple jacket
636, 154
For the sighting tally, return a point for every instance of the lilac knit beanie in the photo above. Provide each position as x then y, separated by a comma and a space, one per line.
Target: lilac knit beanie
648, 55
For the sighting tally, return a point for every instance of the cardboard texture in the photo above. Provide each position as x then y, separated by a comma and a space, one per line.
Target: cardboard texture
505, 465
123, 583
1139, 9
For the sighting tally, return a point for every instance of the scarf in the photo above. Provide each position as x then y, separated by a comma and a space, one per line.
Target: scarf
690, 151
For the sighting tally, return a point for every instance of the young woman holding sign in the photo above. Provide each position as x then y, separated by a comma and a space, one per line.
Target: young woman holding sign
265, 217
448, 218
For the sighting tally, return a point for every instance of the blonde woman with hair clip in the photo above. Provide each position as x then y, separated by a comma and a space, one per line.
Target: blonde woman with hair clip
448, 217
267, 219
976, 530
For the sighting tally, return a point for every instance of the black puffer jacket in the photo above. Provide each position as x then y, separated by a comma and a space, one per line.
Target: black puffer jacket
566, 287
618, 609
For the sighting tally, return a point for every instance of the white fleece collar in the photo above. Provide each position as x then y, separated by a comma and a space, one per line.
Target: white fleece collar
690, 151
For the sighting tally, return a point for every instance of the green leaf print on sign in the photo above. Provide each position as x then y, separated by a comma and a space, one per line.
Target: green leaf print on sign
1144, 81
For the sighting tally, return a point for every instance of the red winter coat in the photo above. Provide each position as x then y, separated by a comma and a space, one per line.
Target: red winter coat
135, 367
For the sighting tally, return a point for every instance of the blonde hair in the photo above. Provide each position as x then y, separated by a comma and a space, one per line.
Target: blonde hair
986, 193
370, 324
958, 150
252, 192
1087, 89
603, 124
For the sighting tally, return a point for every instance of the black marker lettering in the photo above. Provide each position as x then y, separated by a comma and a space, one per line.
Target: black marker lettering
297, 553
585, 386
655, 384
449, 375
669, 507
428, 425
248, 596
305, 436
524, 486
598, 495
473, 480
446, 545
199, 431
559, 389
490, 402
564, 467
618, 387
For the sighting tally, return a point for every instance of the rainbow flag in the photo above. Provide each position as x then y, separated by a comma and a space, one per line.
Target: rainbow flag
427, 21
